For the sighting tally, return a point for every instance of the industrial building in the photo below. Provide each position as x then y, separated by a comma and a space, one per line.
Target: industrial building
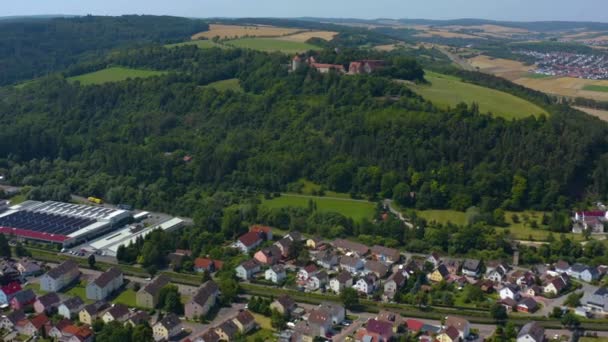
61, 223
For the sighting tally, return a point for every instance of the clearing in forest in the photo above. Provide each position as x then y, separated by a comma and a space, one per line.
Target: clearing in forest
201, 44
449, 91
305, 36
113, 74
270, 44
237, 31
229, 84
355, 209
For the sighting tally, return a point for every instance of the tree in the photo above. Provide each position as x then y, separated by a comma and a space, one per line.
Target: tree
499, 313
229, 289
570, 320
91, 261
169, 299
349, 297
21, 251
278, 320
573, 300
143, 333
5, 249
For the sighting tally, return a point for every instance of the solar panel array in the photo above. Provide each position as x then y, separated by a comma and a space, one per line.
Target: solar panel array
71, 209
45, 222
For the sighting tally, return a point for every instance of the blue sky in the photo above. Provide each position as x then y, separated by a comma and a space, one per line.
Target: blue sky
520, 10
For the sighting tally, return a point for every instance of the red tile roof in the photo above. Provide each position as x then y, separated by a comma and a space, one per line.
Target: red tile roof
383, 328
414, 325
260, 229
39, 321
249, 239
11, 288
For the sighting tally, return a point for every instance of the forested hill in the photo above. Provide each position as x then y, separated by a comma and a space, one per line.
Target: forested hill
31, 48
126, 141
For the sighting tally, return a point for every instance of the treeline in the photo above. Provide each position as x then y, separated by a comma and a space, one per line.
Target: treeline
34, 48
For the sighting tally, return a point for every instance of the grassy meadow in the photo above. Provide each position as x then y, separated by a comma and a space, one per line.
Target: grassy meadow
113, 74
201, 44
594, 87
271, 44
357, 210
447, 91
224, 85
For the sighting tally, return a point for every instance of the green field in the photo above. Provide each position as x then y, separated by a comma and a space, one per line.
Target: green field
201, 44
269, 44
79, 290
126, 297
113, 74
593, 339
593, 87
443, 216
357, 210
230, 84
447, 91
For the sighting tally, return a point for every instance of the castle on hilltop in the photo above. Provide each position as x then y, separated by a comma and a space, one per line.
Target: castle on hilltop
365, 66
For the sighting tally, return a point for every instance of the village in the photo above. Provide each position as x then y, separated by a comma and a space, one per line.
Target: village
593, 67
38, 301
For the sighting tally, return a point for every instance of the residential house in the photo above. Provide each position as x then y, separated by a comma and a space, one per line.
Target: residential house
453, 265
275, 274
268, 256
244, 321
166, 328
527, 304
376, 267
209, 336
366, 285
248, 242
336, 311
147, 296
47, 303
555, 286
227, 330
204, 299
583, 272
140, 317
346, 246
317, 281
364, 66
395, 282
562, 266
486, 285
509, 291
247, 269
531, 332
264, 231
117, 312
71, 307
8, 322
8, 291
533, 291
305, 273
598, 301
450, 334
283, 304
385, 254
434, 259
462, 325
73, 333
106, 283
441, 273
60, 276
176, 259
340, 282
471, 268
54, 330
314, 242
295, 236
285, 245
91, 312
497, 273
321, 321
32, 326
351, 264
327, 259
28, 268
205, 264
383, 328
22, 299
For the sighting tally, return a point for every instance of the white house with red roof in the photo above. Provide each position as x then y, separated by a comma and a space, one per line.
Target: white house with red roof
589, 220
248, 242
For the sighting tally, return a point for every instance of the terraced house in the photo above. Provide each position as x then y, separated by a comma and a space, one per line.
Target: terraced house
147, 296
202, 301
105, 284
60, 276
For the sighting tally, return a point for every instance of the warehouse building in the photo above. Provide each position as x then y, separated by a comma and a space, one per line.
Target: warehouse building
60, 223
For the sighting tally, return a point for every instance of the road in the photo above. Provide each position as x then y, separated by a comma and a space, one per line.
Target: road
456, 59
388, 203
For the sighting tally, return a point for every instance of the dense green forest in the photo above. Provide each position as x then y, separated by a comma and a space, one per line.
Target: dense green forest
366, 135
34, 48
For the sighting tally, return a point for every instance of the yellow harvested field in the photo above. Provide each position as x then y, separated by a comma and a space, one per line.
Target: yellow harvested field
506, 68
388, 47
565, 86
231, 31
602, 114
492, 29
580, 34
444, 34
305, 36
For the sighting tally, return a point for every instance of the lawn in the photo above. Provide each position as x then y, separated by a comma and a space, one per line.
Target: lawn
263, 321
447, 91
593, 339
113, 74
357, 210
229, 84
311, 188
79, 290
261, 335
201, 44
270, 44
594, 87
34, 287
126, 297
443, 216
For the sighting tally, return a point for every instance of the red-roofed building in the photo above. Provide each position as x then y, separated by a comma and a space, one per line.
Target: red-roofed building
382, 328
248, 242
32, 326
265, 232
7, 292
206, 264
414, 325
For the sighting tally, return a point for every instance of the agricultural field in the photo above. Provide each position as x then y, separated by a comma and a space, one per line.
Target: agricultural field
443, 216
601, 114
447, 91
201, 44
444, 34
593, 87
355, 209
270, 44
232, 31
302, 37
224, 85
113, 74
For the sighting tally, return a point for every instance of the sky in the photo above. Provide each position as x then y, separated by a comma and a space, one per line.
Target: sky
516, 10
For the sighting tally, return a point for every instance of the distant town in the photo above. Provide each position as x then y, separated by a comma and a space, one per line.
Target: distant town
593, 67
